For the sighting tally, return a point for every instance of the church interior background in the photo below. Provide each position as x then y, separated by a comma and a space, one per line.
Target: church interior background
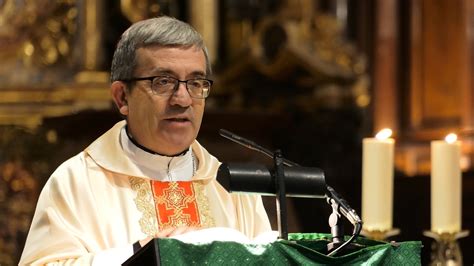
309, 77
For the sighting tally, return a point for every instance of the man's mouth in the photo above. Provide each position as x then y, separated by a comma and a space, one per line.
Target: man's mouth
176, 119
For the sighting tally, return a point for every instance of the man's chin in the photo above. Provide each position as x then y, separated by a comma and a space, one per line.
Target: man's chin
178, 144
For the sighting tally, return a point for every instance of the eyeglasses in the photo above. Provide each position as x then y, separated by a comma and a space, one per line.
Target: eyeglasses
198, 88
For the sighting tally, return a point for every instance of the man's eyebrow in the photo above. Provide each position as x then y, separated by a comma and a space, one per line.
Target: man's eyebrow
198, 74
159, 71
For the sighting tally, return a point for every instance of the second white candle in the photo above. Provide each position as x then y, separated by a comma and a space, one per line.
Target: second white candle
445, 186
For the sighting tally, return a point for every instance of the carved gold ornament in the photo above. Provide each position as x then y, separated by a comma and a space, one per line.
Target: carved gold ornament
37, 32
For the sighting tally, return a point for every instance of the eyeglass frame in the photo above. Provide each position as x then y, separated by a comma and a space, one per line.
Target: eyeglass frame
151, 78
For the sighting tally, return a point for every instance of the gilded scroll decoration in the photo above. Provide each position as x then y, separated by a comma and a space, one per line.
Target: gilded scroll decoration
136, 10
39, 33
144, 202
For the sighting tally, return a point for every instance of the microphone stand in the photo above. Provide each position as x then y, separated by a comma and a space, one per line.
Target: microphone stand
278, 162
337, 203
281, 195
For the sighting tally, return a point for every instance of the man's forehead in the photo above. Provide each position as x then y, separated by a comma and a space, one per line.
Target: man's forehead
168, 54
144, 52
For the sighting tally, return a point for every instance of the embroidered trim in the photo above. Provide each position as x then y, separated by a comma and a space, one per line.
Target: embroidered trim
165, 204
203, 205
175, 204
145, 204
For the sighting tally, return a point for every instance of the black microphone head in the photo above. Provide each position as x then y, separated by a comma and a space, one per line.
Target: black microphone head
224, 131
227, 134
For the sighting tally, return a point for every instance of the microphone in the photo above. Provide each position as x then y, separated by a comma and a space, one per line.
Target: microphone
251, 145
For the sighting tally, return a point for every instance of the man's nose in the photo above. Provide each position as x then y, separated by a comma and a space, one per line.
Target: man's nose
181, 95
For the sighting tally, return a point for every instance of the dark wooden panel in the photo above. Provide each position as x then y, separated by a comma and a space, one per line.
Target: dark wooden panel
439, 66
423, 72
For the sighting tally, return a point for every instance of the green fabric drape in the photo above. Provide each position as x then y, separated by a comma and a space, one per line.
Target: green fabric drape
300, 249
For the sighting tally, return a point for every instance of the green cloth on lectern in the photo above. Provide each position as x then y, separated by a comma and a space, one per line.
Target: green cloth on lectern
301, 249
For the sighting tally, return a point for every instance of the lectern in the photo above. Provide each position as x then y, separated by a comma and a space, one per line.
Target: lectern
299, 249
148, 255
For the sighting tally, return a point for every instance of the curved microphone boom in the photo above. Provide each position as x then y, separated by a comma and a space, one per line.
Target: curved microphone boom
251, 145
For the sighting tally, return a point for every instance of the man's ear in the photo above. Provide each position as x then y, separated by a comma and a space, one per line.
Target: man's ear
119, 95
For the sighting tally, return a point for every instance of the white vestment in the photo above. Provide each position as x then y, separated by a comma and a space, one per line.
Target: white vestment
99, 202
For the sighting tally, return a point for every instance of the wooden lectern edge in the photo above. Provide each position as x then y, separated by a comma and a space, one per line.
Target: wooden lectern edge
151, 247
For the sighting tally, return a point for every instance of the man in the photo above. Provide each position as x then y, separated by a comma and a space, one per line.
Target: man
146, 177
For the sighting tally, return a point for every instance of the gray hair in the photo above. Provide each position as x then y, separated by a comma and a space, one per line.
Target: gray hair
164, 31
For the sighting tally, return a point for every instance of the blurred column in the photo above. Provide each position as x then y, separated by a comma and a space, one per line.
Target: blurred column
92, 53
204, 17
385, 65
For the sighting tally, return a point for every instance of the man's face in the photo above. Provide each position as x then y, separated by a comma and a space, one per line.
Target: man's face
166, 124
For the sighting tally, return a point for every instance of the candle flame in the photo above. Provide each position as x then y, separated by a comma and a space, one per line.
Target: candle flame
384, 134
451, 138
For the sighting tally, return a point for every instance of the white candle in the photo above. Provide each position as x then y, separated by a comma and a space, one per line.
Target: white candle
446, 185
377, 181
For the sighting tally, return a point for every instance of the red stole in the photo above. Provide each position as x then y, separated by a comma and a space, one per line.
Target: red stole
175, 204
